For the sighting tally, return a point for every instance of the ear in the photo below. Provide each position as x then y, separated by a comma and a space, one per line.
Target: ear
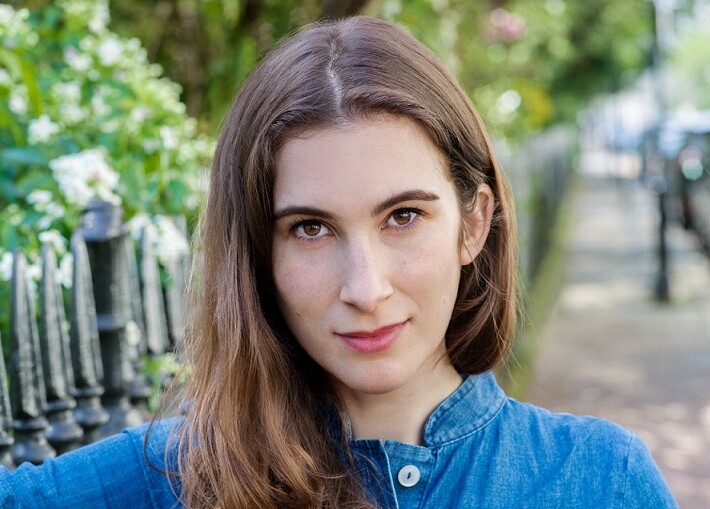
477, 224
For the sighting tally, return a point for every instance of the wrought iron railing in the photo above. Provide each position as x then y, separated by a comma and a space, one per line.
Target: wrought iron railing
73, 385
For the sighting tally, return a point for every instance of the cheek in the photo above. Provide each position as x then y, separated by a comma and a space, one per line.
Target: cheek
432, 269
301, 284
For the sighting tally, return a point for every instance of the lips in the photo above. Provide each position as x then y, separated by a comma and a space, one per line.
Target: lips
372, 341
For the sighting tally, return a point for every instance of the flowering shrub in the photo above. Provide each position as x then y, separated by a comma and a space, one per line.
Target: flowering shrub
84, 115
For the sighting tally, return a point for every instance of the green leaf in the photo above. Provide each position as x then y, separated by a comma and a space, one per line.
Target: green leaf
33, 179
9, 236
22, 157
175, 193
11, 61
33, 93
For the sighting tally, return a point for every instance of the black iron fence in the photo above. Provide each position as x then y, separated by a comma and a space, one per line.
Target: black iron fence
540, 171
72, 385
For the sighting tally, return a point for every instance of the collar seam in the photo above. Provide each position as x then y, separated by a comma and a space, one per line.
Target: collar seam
483, 425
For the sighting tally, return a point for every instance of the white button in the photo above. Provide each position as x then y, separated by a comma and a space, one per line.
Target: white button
408, 476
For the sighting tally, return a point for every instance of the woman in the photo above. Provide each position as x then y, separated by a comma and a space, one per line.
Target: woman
356, 285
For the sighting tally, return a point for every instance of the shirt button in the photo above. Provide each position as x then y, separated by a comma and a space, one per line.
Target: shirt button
408, 476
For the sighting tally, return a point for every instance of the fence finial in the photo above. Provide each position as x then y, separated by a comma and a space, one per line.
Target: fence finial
84, 340
177, 270
151, 289
27, 394
140, 388
63, 433
103, 231
6, 440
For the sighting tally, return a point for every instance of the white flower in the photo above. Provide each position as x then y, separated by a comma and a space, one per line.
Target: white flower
508, 102
84, 176
44, 222
110, 51
6, 261
133, 333
136, 224
53, 237
39, 198
33, 272
99, 105
169, 138
110, 126
69, 92
170, 242
80, 62
100, 17
14, 29
54, 210
5, 78
41, 130
141, 113
150, 145
6, 14
66, 270
72, 114
14, 214
18, 104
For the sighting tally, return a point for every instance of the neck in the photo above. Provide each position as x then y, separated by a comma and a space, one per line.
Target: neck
400, 414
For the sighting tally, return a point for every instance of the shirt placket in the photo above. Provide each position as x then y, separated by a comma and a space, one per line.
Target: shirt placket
410, 470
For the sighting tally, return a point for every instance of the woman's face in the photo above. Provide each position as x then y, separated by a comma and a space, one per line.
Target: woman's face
367, 252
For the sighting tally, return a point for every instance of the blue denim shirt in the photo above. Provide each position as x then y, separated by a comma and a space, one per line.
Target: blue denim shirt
480, 449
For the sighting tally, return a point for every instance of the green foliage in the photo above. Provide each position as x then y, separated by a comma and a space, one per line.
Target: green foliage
83, 115
527, 64
689, 82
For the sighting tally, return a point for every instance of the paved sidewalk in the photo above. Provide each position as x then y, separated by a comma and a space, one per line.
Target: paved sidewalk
609, 350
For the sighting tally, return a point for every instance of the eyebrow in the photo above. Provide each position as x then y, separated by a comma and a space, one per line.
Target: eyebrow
412, 195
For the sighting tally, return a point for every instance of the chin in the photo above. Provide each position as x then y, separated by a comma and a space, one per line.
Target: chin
375, 381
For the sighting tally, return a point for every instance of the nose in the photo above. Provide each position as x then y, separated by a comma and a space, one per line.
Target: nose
365, 276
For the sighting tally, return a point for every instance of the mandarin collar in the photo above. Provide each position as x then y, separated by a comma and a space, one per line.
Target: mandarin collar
466, 410
469, 408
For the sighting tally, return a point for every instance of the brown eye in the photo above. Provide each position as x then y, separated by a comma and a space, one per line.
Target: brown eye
311, 229
403, 217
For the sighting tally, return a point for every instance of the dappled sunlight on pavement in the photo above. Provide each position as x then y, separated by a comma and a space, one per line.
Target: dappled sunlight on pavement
611, 351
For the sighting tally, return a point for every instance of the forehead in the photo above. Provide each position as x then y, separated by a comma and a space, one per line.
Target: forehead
365, 159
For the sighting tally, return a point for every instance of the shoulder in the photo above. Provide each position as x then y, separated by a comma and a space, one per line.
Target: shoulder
564, 431
583, 454
157, 440
121, 470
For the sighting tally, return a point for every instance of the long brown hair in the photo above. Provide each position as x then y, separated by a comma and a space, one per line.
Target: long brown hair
256, 434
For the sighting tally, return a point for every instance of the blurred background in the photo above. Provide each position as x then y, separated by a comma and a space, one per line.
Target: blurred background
599, 111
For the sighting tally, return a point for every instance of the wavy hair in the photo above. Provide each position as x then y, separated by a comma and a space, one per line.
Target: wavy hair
255, 433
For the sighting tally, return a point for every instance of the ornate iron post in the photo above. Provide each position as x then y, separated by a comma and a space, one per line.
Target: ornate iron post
140, 388
104, 232
152, 292
174, 293
27, 394
63, 433
6, 440
85, 350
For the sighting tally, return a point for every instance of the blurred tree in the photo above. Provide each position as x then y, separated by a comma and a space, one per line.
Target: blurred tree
526, 63
689, 79
210, 46
530, 63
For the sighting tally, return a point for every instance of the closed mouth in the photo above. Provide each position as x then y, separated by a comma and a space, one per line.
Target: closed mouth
375, 340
